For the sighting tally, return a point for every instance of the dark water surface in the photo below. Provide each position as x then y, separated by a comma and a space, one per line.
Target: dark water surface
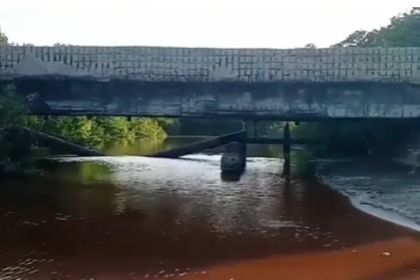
137, 218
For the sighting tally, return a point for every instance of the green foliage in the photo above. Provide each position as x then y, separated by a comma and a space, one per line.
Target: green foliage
18, 150
18, 147
3, 38
310, 46
402, 31
97, 131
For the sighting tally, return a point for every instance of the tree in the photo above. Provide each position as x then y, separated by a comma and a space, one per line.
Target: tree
310, 46
355, 39
17, 150
62, 45
402, 31
3, 38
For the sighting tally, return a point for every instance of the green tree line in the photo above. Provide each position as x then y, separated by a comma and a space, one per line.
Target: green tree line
97, 131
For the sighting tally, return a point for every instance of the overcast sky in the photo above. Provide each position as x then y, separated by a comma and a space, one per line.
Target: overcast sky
215, 23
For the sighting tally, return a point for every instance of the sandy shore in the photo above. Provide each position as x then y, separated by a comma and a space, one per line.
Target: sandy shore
334, 241
365, 262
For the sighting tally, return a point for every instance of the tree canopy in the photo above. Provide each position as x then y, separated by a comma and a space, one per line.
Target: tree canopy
402, 31
3, 38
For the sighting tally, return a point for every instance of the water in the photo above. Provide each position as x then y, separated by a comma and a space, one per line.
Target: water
385, 190
149, 147
130, 217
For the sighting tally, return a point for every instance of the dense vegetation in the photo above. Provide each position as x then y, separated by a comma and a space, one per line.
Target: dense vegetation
402, 31
18, 149
97, 131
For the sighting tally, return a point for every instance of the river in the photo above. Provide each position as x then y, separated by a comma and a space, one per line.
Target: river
132, 217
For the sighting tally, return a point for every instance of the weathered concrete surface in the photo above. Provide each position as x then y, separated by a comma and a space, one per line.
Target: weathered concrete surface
232, 162
192, 82
160, 64
275, 100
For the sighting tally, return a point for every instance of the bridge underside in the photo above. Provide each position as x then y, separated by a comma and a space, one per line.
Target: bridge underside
273, 101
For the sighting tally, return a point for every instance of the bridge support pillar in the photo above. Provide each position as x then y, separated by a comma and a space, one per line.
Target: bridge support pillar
251, 129
286, 150
234, 160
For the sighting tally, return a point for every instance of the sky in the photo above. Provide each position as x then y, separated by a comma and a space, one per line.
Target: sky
192, 23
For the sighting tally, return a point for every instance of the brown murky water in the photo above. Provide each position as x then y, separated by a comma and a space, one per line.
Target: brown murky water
143, 218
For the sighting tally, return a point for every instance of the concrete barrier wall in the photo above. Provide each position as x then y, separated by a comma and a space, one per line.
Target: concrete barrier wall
198, 64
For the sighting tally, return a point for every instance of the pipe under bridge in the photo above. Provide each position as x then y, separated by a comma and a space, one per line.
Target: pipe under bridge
236, 155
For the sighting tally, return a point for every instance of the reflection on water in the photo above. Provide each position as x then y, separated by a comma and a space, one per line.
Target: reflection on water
147, 147
134, 217
137, 218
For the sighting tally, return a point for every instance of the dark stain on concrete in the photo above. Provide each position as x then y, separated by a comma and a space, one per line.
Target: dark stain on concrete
223, 99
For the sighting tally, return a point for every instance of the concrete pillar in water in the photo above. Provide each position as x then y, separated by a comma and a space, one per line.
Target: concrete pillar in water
235, 159
286, 151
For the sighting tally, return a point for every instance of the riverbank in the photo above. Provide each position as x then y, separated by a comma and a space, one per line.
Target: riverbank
360, 247
133, 223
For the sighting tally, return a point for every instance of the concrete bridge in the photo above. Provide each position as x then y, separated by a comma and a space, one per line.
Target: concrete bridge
292, 84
